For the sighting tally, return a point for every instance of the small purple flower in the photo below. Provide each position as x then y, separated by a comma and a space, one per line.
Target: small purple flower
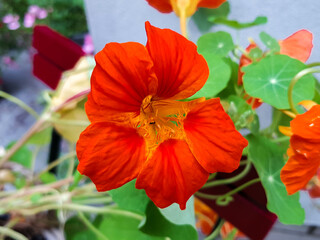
13, 25
29, 20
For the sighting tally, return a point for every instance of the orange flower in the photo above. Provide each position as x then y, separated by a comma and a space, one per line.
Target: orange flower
304, 151
139, 129
183, 8
298, 46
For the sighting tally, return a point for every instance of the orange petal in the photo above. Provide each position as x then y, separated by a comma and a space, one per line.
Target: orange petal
298, 171
110, 155
181, 71
244, 61
122, 78
285, 131
254, 102
171, 175
298, 45
210, 3
307, 125
212, 137
163, 6
307, 104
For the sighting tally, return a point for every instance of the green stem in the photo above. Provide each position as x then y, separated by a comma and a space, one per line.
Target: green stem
228, 194
11, 233
69, 122
280, 139
216, 231
82, 208
19, 103
294, 81
23, 140
229, 180
212, 176
57, 162
315, 64
91, 226
98, 200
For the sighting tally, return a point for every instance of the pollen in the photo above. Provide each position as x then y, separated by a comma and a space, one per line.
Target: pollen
160, 120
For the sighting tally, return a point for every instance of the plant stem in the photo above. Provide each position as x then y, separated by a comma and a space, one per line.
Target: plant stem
216, 231
229, 180
11, 233
91, 226
82, 208
38, 124
19, 103
58, 161
228, 194
294, 81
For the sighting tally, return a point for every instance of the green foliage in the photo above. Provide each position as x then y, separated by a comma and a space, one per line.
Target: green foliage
157, 225
270, 42
42, 137
129, 198
237, 25
218, 79
23, 156
204, 16
267, 158
47, 177
218, 43
269, 80
75, 229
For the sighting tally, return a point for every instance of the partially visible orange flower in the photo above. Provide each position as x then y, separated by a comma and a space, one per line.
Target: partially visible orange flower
297, 45
183, 7
138, 128
304, 151
206, 218
227, 229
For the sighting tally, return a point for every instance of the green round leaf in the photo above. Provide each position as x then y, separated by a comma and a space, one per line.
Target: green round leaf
219, 76
218, 43
267, 158
269, 80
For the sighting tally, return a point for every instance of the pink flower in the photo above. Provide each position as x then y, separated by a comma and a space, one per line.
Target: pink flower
33, 9
88, 47
12, 21
42, 13
29, 20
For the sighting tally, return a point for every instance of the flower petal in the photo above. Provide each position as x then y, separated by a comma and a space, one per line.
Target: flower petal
212, 137
163, 6
298, 45
298, 171
122, 78
171, 175
180, 70
210, 3
110, 155
307, 125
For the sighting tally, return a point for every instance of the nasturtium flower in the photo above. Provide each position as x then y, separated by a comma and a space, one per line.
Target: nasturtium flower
298, 45
183, 7
304, 151
139, 129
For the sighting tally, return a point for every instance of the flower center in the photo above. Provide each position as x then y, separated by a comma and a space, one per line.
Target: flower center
160, 120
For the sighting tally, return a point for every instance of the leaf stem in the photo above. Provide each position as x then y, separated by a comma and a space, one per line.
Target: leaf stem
228, 194
11, 233
91, 226
216, 231
229, 180
294, 81
183, 23
19, 103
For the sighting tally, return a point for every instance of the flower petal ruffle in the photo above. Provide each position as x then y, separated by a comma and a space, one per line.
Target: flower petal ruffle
180, 70
110, 155
122, 78
171, 175
163, 6
298, 45
307, 125
212, 137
